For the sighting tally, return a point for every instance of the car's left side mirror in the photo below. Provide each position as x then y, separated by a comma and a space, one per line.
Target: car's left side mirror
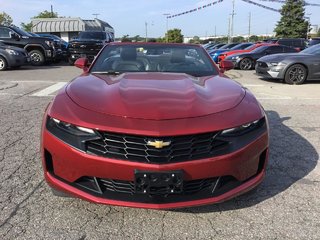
226, 65
82, 63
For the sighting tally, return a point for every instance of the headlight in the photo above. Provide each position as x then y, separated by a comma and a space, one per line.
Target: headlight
274, 64
73, 135
243, 129
49, 43
235, 57
12, 52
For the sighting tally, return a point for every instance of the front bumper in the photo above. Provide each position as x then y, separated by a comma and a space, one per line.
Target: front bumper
15, 61
268, 71
65, 169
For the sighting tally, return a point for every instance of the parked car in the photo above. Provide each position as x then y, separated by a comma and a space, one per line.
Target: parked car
216, 46
294, 68
248, 49
141, 130
314, 41
224, 47
40, 49
215, 55
88, 44
12, 57
247, 61
59, 44
297, 43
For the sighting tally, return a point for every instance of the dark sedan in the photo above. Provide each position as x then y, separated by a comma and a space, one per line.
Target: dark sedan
11, 57
294, 68
247, 61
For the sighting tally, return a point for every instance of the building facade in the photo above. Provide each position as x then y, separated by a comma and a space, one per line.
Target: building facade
68, 28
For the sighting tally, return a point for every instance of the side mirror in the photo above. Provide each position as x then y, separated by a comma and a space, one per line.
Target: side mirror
82, 63
14, 36
226, 65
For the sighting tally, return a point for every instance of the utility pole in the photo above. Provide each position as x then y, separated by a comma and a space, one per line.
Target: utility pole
51, 11
229, 37
232, 20
167, 19
249, 27
96, 15
146, 24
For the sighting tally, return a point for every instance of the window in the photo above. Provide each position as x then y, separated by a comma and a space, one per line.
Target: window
5, 32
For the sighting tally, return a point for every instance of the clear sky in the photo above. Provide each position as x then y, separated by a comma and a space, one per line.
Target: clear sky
129, 17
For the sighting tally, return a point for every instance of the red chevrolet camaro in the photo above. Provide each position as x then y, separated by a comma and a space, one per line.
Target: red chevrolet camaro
154, 126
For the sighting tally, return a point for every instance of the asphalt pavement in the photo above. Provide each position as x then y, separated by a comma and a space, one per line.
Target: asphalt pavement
285, 206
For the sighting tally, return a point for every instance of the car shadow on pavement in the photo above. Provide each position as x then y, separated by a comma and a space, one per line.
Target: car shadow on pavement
291, 158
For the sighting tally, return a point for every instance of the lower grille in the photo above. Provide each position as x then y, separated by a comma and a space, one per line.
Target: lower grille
124, 190
136, 148
262, 64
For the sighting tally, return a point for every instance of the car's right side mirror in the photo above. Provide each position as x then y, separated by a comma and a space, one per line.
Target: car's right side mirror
82, 63
14, 36
226, 65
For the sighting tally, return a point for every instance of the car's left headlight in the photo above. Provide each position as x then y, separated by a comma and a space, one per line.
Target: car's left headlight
73, 135
243, 129
12, 52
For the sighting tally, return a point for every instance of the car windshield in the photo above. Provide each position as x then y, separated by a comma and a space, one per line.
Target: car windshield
259, 49
173, 58
312, 50
92, 35
242, 46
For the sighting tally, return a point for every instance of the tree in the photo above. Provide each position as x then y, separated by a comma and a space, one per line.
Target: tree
174, 36
318, 34
125, 38
5, 19
253, 38
44, 14
238, 39
292, 23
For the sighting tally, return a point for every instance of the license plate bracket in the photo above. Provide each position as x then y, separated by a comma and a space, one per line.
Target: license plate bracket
158, 183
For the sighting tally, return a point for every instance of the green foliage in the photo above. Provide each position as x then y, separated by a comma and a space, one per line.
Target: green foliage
238, 39
195, 40
292, 23
253, 38
5, 19
318, 34
125, 38
174, 36
26, 26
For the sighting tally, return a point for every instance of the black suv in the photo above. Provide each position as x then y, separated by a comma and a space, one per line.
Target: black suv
39, 49
297, 43
314, 41
88, 44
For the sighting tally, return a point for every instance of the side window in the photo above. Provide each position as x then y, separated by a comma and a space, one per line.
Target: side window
274, 49
5, 32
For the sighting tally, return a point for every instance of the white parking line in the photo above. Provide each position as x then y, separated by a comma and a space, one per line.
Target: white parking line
47, 91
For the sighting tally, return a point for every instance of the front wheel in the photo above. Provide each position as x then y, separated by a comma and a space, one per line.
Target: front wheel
3, 64
246, 64
37, 57
296, 74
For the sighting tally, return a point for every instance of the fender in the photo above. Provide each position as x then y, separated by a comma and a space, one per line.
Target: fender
34, 45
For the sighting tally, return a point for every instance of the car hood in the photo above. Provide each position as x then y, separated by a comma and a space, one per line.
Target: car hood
236, 52
282, 56
156, 96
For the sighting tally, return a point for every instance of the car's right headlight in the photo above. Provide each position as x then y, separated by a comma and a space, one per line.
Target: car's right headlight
12, 52
71, 134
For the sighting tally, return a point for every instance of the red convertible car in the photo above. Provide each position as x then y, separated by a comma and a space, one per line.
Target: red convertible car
154, 126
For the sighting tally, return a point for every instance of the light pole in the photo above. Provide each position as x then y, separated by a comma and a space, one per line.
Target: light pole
166, 15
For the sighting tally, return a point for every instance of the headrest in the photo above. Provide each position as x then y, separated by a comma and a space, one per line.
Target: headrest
128, 54
178, 56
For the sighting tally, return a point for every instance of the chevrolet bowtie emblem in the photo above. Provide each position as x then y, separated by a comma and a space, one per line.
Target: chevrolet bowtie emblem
158, 144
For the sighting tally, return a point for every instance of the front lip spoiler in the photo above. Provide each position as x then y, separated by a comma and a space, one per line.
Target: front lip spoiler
245, 187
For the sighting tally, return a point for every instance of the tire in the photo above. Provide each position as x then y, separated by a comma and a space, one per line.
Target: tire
3, 64
296, 74
37, 57
71, 61
246, 64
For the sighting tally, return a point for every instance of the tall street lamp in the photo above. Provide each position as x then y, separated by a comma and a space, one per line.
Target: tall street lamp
166, 15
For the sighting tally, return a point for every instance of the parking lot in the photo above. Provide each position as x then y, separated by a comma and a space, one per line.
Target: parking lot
285, 206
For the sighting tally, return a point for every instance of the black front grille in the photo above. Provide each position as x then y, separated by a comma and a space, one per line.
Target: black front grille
125, 191
136, 148
262, 64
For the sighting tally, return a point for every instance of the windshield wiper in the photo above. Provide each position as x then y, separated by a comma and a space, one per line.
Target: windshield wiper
107, 72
